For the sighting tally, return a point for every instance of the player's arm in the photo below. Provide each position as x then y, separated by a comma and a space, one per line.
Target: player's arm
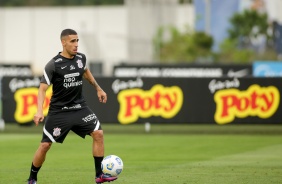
100, 92
39, 117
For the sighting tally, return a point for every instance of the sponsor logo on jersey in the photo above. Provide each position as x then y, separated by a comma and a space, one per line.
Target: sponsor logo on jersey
70, 80
72, 84
77, 106
88, 118
72, 67
72, 75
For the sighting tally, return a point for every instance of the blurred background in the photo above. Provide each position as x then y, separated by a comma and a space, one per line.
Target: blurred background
203, 46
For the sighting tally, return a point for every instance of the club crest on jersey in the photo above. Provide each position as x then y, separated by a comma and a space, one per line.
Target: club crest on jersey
79, 63
56, 132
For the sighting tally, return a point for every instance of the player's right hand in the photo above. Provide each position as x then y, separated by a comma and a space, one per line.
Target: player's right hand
38, 117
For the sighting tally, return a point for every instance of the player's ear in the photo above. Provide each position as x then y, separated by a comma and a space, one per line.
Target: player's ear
63, 41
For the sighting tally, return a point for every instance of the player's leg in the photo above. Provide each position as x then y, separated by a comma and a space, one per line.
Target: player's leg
87, 123
55, 130
98, 154
38, 160
98, 150
40, 153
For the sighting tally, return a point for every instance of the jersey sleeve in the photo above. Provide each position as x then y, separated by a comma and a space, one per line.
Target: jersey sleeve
48, 73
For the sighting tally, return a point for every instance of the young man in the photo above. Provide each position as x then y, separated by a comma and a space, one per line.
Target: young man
68, 109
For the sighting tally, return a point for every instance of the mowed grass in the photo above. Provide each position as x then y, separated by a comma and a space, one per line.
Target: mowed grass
247, 155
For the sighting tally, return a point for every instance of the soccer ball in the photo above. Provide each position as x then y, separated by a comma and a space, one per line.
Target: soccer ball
112, 165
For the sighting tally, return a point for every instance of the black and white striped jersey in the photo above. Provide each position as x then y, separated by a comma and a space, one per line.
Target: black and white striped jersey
66, 76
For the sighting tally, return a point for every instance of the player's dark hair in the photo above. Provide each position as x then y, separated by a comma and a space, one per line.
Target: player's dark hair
67, 32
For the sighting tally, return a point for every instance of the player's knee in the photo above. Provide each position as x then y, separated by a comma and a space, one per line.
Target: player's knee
98, 135
45, 146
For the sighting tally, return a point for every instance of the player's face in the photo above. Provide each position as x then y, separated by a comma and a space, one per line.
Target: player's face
70, 44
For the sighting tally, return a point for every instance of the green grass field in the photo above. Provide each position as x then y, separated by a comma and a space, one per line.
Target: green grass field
194, 154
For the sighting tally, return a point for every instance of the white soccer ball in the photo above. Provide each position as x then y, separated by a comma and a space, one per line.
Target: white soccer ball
112, 165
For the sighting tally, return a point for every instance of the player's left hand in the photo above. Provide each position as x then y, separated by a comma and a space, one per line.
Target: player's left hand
102, 96
38, 117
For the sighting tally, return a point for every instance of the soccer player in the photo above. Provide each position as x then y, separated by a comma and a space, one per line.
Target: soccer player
68, 109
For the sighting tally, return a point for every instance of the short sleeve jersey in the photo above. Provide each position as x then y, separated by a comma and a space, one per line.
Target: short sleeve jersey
66, 75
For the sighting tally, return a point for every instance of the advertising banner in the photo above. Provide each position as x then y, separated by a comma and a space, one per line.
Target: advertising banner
186, 71
15, 70
162, 100
267, 69
12, 70
20, 99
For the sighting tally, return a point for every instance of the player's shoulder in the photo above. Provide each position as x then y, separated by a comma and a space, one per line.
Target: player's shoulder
55, 59
51, 63
80, 55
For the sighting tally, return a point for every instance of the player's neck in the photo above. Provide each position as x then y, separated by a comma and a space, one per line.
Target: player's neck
66, 55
